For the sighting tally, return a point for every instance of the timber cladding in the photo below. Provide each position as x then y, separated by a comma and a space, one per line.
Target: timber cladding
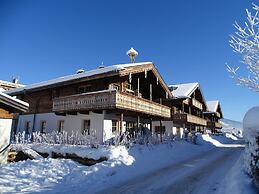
134, 83
4, 114
42, 101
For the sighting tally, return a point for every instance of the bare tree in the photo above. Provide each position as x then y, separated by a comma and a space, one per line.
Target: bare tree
245, 41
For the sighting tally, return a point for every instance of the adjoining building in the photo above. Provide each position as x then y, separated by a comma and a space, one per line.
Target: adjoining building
213, 115
5, 85
8, 106
102, 102
188, 105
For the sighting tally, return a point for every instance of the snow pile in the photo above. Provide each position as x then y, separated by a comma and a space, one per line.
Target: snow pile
65, 176
251, 134
121, 154
237, 181
111, 152
34, 175
219, 141
25, 149
231, 136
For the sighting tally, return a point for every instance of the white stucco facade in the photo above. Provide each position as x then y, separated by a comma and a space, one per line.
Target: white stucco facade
170, 128
5, 132
100, 124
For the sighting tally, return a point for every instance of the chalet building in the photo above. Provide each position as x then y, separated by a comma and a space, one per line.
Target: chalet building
213, 115
101, 102
5, 85
187, 105
8, 106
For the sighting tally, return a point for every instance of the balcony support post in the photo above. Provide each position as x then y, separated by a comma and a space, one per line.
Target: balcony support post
138, 87
138, 121
121, 123
150, 125
161, 130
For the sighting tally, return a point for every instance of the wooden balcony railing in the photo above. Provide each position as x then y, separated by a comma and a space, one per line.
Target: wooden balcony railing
197, 104
109, 99
185, 118
211, 124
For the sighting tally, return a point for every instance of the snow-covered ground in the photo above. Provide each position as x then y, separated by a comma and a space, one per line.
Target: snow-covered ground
230, 126
65, 176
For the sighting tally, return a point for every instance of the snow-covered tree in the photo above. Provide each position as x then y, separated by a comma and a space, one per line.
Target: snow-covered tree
251, 134
245, 41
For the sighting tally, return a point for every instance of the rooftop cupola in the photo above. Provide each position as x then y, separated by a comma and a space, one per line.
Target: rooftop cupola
132, 53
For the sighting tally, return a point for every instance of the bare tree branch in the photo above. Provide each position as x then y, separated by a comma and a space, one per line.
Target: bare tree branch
245, 41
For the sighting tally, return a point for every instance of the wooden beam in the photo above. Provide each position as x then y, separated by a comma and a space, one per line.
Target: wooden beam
138, 87
138, 121
150, 92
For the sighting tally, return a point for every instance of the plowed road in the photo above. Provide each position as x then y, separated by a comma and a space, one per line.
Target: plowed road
200, 174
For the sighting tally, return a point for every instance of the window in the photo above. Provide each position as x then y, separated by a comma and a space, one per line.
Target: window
43, 126
61, 126
27, 127
55, 93
129, 125
86, 127
158, 129
115, 125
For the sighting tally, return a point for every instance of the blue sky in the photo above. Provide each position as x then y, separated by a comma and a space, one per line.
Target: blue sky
187, 41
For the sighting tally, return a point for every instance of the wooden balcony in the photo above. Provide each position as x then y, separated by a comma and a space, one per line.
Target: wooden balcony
197, 104
185, 118
109, 99
216, 125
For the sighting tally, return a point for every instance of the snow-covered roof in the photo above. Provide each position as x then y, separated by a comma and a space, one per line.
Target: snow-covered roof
13, 102
183, 90
212, 105
2, 82
77, 76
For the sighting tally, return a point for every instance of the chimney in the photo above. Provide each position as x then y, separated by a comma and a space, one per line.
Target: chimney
80, 71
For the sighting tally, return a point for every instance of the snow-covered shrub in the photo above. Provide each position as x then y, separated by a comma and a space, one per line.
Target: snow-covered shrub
54, 137
251, 135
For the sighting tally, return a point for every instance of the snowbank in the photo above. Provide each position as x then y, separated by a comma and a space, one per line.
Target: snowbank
25, 149
231, 136
59, 175
237, 181
220, 141
65, 176
251, 123
110, 152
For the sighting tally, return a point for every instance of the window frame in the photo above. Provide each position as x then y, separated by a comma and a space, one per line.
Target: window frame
27, 127
61, 126
115, 127
43, 126
86, 131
